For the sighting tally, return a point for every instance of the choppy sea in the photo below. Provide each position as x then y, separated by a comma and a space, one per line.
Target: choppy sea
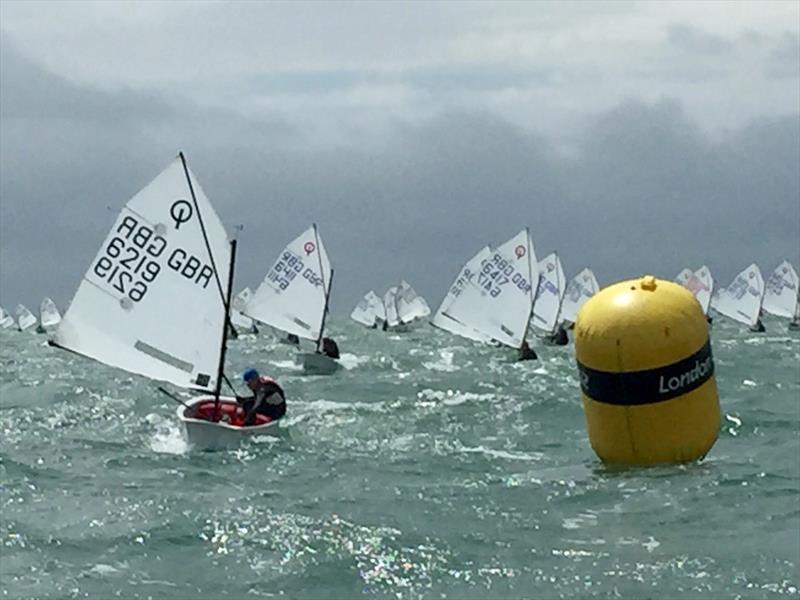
428, 468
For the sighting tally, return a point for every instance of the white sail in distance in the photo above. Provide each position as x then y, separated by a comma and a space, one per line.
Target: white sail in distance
25, 318
683, 277
780, 297
741, 300
293, 295
152, 301
390, 306
6, 320
238, 305
499, 300
49, 317
702, 286
410, 305
368, 310
549, 293
580, 288
468, 272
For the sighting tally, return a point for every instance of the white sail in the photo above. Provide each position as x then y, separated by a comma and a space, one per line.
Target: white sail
741, 300
369, 310
292, 297
683, 277
499, 300
25, 319
410, 305
780, 297
49, 317
241, 322
701, 284
582, 287
468, 272
549, 293
152, 301
390, 306
6, 320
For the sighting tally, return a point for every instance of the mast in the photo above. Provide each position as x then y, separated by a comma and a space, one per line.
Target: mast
325, 312
224, 348
532, 291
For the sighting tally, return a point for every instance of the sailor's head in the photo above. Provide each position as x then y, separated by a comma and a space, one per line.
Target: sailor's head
250, 377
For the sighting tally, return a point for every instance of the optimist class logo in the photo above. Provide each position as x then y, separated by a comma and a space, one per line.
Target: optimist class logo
309, 247
520, 251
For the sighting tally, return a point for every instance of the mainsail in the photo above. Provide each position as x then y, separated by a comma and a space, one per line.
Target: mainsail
293, 295
49, 317
741, 300
780, 298
700, 283
369, 310
498, 301
410, 305
468, 272
549, 293
25, 318
238, 306
390, 306
152, 300
582, 287
6, 320
683, 277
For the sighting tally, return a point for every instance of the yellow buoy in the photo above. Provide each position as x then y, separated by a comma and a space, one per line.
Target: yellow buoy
647, 374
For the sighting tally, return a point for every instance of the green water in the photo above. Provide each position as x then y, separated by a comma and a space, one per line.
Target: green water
428, 468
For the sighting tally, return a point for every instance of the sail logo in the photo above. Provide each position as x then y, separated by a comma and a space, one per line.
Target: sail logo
309, 247
180, 211
676, 383
520, 251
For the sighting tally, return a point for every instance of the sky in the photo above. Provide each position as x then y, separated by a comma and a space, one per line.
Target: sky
631, 137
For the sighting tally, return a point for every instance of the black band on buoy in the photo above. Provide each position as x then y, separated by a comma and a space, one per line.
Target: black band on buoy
650, 386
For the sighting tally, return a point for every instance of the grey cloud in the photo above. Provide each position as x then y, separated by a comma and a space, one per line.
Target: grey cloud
645, 189
695, 40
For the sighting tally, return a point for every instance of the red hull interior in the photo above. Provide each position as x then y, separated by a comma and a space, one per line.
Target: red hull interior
229, 412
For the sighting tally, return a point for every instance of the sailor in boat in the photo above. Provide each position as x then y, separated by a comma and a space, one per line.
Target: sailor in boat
559, 337
758, 327
526, 352
330, 348
268, 398
292, 339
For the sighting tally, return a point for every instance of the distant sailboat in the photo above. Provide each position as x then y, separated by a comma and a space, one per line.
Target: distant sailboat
580, 288
468, 273
369, 311
49, 317
6, 320
549, 295
239, 320
294, 295
498, 301
742, 299
781, 295
25, 318
410, 305
700, 283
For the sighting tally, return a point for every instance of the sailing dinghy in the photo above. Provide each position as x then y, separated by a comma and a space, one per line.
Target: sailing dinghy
498, 301
410, 305
700, 283
369, 311
152, 303
781, 296
442, 320
49, 317
25, 318
742, 299
294, 297
549, 295
581, 287
6, 320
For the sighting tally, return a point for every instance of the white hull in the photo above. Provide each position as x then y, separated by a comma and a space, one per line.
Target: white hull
210, 435
318, 364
